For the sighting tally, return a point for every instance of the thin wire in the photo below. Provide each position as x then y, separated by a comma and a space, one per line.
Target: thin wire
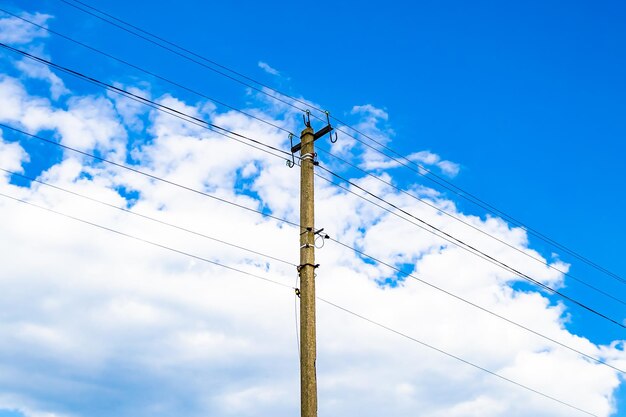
211, 126
458, 358
341, 159
421, 170
442, 211
173, 110
292, 264
352, 248
295, 310
154, 177
185, 50
288, 286
174, 83
149, 242
428, 174
260, 90
104, 203
472, 304
459, 243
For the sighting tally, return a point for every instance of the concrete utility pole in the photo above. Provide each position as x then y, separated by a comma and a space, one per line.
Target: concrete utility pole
308, 378
306, 269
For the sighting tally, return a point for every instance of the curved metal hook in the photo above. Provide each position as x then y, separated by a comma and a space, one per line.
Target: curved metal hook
331, 127
291, 163
307, 119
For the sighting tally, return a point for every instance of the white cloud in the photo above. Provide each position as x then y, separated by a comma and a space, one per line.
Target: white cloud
18, 32
135, 330
12, 156
40, 71
267, 68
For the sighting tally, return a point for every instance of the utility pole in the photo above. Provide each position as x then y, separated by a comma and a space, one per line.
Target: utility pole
308, 377
306, 269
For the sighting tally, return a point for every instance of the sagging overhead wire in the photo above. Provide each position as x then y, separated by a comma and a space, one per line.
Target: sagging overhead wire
361, 253
458, 358
266, 89
140, 98
182, 55
146, 217
458, 242
322, 150
281, 284
193, 119
472, 304
152, 176
147, 72
136, 97
149, 242
478, 229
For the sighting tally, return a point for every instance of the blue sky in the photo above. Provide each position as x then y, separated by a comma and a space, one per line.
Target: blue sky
527, 99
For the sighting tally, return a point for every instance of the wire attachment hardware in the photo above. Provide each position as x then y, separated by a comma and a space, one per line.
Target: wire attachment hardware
297, 291
330, 132
299, 267
307, 118
320, 236
291, 163
328, 129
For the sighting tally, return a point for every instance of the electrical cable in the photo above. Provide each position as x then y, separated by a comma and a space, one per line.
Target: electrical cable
458, 358
150, 73
292, 264
149, 242
154, 177
420, 169
321, 149
143, 216
184, 116
260, 90
142, 99
428, 174
472, 304
278, 283
446, 213
459, 243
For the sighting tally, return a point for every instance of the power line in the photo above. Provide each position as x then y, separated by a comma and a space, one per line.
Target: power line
402, 160
470, 250
292, 264
446, 213
154, 177
428, 174
459, 243
500, 264
150, 73
152, 41
361, 317
181, 115
142, 99
149, 242
458, 358
170, 110
323, 150
152, 219
472, 304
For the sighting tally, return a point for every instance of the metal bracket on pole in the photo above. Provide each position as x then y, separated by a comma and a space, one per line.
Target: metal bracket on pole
328, 129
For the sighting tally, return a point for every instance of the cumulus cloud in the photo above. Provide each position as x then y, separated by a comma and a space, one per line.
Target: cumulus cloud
96, 324
15, 31
42, 72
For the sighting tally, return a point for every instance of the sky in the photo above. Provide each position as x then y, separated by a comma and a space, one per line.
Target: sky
520, 105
